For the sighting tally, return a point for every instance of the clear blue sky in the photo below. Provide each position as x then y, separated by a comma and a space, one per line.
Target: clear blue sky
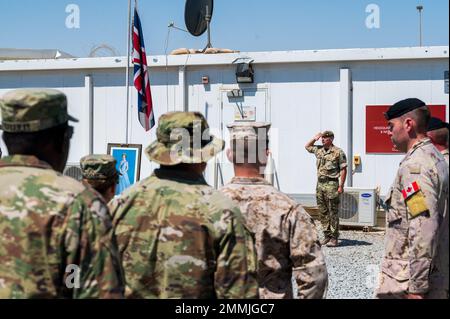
245, 25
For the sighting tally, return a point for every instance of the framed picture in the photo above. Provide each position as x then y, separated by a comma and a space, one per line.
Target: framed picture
128, 157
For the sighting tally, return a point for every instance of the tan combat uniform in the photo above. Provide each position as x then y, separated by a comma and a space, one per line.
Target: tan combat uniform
417, 243
286, 240
445, 153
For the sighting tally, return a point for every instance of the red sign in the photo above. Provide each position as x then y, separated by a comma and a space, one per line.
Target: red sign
377, 139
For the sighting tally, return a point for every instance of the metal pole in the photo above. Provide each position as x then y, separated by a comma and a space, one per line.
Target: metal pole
216, 173
128, 71
208, 17
421, 35
89, 85
420, 8
346, 117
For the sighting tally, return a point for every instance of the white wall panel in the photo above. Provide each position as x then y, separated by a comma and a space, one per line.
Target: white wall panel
303, 98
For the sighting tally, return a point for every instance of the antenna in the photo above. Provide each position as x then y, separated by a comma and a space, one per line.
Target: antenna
198, 15
172, 25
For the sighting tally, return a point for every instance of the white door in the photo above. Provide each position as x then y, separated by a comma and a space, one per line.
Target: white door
248, 104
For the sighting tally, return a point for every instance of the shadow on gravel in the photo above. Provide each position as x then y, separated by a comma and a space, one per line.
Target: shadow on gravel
349, 243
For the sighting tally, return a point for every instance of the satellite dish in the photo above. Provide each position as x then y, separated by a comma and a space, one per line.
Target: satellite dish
197, 15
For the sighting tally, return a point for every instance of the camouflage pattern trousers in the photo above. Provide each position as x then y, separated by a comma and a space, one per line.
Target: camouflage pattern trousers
390, 288
328, 201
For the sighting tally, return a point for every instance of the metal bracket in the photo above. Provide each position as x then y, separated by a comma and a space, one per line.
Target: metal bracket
235, 94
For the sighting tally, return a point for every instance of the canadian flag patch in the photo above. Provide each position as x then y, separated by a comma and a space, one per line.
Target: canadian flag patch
410, 190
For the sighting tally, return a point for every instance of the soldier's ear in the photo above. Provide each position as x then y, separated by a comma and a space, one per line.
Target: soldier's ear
409, 124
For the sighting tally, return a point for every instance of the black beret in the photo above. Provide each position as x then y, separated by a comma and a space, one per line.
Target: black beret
403, 107
436, 124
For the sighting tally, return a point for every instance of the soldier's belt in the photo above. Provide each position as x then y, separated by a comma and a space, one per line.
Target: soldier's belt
323, 179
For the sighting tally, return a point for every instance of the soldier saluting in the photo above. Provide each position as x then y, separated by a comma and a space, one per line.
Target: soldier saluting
332, 172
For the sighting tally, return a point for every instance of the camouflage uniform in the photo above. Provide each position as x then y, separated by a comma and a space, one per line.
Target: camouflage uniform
99, 172
177, 236
286, 239
49, 222
445, 154
98, 167
417, 244
329, 165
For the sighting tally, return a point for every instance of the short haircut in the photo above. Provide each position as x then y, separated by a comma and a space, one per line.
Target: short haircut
32, 143
102, 185
421, 116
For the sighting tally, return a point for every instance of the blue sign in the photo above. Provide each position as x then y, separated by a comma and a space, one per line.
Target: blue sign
366, 195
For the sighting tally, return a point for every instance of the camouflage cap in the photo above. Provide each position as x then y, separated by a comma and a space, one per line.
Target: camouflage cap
328, 134
183, 137
98, 167
248, 130
33, 110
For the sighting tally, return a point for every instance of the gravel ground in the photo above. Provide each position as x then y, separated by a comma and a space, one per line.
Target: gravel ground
353, 267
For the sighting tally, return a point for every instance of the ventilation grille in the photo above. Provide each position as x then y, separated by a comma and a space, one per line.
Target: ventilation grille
348, 207
358, 207
73, 170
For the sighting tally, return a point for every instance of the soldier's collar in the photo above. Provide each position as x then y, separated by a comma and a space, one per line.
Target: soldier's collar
180, 176
249, 180
419, 144
23, 160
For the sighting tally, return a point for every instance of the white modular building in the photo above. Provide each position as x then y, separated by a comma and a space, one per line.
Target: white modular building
300, 92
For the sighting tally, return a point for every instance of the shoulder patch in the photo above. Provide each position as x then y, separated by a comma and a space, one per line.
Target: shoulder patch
415, 200
410, 190
414, 169
417, 204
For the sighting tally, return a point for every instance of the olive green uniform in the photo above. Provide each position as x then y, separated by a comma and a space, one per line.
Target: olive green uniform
329, 165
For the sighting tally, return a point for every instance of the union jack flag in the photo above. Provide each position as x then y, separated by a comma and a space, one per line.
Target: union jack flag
141, 77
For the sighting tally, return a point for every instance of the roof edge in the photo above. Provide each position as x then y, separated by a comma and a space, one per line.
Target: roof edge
269, 57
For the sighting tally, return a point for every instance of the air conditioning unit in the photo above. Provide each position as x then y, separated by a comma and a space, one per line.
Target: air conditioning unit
73, 170
358, 207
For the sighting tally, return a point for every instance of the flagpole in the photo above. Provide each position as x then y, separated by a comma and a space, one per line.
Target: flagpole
128, 72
